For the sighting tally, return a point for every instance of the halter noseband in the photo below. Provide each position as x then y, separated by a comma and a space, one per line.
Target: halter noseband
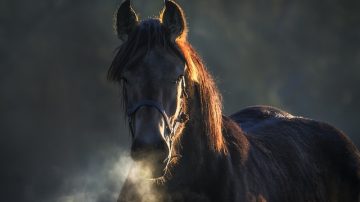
170, 129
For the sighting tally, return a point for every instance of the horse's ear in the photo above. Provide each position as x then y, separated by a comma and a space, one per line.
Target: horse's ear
173, 19
126, 20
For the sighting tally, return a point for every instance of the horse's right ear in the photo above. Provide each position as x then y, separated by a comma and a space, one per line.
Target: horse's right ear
126, 20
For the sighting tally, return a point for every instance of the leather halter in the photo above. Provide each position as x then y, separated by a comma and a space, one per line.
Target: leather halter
170, 129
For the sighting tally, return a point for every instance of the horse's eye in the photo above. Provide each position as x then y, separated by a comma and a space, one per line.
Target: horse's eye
175, 81
124, 79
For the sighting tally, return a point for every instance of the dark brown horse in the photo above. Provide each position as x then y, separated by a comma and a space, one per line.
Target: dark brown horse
185, 149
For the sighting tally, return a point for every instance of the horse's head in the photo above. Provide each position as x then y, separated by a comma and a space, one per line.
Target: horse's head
151, 69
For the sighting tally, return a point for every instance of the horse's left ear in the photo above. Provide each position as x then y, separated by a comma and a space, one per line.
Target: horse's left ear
173, 19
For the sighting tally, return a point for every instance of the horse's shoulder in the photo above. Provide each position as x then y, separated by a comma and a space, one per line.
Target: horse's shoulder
254, 115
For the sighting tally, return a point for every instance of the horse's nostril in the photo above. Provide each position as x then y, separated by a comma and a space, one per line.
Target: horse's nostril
142, 149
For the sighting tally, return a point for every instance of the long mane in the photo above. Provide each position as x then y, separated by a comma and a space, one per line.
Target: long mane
150, 33
210, 99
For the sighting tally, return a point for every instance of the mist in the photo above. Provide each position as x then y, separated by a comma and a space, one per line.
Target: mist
63, 133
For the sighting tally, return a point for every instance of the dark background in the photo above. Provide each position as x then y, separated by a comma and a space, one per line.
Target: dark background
63, 137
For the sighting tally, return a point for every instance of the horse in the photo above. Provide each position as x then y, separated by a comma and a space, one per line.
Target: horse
190, 151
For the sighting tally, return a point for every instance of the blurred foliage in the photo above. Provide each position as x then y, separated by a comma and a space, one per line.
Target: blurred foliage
58, 112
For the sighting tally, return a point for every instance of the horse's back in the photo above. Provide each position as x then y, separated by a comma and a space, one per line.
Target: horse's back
315, 155
252, 116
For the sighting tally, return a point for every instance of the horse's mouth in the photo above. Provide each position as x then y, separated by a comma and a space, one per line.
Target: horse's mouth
159, 170
152, 164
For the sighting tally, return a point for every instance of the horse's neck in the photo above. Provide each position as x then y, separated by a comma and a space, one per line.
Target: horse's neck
193, 147
199, 168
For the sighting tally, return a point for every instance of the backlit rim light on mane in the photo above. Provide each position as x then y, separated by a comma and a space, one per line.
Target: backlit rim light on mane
211, 102
209, 95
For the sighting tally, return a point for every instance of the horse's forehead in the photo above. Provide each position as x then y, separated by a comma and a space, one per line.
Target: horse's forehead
161, 63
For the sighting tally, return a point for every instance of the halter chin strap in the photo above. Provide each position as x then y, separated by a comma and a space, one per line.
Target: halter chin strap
170, 129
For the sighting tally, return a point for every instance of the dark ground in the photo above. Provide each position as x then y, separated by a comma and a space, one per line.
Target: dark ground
61, 125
